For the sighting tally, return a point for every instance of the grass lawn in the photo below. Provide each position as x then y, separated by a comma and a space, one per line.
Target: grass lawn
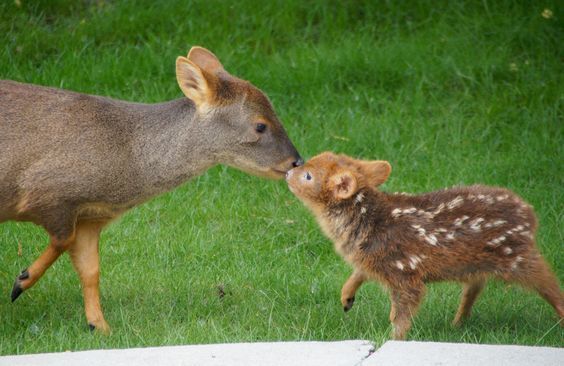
451, 93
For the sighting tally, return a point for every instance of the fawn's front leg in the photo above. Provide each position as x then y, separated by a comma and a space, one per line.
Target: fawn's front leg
349, 289
405, 301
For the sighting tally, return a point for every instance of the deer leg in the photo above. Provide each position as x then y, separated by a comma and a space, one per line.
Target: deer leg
405, 301
85, 259
536, 274
350, 287
29, 276
470, 292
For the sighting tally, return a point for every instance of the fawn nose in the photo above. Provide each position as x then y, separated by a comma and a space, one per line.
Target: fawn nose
298, 163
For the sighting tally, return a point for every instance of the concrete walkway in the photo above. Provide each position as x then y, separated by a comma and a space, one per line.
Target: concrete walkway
394, 353
345, 353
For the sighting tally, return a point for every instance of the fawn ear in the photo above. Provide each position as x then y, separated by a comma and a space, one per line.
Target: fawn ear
377, 171
205, 60
194, 82
343, 185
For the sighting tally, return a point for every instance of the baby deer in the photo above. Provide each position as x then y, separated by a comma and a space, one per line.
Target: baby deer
465, 234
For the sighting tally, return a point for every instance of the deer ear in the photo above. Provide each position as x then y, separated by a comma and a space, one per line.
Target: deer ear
343, 185
193, 82
376, 172
205, 60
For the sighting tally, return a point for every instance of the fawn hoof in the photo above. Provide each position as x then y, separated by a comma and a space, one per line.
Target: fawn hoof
18, 289
348, 304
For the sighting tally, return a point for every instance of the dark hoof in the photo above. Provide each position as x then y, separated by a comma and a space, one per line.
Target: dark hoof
24, 275
92, 327
349, 304
18, 289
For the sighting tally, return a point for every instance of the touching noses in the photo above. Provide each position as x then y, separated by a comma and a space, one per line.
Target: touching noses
298, 163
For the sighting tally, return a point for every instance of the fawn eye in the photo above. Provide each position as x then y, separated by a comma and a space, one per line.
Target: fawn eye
260, 127
307, 176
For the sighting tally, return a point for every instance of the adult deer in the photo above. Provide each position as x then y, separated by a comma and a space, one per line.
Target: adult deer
72, 162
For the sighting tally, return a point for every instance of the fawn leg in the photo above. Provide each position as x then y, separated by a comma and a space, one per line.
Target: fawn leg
392, 312
470, 293
349, 289
536, 274
405, 301
29, 276
85, 259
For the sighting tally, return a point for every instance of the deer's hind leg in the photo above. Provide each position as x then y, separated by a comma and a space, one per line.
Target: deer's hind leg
533, 272
62, 235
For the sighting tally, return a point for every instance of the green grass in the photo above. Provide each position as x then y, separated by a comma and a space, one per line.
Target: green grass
450, 93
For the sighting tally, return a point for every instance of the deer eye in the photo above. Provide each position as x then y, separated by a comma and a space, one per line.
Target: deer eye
260, 127
307, 176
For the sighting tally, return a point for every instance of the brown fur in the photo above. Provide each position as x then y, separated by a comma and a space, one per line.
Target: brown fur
465, 234
72, 162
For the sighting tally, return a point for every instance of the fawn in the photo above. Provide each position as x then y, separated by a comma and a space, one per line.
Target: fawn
465, 234
72, 162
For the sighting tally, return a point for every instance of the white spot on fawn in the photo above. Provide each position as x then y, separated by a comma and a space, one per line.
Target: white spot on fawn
363, 210
527, 233
455, 202
518, 260
425, 214
397, 212
460, 220
495, 242
476, 224
495, 223
507, 250
450, 235
439, 209
414, 261
399, 265
431, 239
359, 197
515, 229
502, 197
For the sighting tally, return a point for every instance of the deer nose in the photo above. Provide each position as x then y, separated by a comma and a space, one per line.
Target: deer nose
298, 163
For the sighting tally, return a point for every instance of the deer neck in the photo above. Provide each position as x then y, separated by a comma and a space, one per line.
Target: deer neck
170, 145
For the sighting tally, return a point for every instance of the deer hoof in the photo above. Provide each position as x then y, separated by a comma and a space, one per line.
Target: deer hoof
348, 304
101, 327
18, 289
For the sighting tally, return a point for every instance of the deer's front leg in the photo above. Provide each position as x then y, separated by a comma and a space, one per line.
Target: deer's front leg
85, 258
349, 289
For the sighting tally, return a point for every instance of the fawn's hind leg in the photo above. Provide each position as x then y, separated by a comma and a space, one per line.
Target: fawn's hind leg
405, 301
350, 287
470, 293
533, 272
85, 258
